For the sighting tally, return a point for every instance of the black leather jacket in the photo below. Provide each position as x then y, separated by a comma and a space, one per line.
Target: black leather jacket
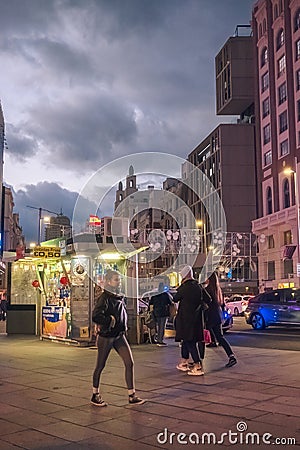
110, 305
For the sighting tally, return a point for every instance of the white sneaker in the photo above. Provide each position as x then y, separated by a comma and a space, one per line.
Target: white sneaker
196, 371
183, 366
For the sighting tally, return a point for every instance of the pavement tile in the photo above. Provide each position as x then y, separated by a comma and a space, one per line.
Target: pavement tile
7, 427
8, 446
67, 430
78, 417
109, 442
54, 388
271, 406
28, 419
125, 429
34, 440
233, 411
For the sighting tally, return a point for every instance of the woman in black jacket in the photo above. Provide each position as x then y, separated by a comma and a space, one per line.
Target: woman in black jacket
214, 316
189, 322
111, 317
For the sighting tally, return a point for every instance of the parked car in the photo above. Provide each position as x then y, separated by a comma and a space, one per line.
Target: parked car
277, 307
227, 320
237, 303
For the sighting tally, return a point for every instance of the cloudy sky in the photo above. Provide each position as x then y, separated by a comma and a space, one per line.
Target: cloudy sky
84, 82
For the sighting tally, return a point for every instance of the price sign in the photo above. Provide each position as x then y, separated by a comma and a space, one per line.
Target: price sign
46, 252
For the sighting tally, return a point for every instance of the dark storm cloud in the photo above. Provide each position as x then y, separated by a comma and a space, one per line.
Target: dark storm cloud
88, 81
21, 146
52, 197
81, 131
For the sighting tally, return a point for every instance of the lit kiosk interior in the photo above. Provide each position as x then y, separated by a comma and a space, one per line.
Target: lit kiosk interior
59, 287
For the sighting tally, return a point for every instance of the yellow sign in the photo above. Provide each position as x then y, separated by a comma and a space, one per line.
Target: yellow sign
46, 252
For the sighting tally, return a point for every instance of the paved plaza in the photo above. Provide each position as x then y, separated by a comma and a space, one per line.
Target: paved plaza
45, 390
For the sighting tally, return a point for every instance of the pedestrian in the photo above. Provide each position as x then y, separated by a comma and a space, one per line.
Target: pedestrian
3, 307
189, 322
111, 316
160, 305
214, 316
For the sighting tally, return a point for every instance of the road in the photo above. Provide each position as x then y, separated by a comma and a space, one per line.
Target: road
281, 338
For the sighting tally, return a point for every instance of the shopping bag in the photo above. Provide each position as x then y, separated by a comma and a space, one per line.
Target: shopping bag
207, 336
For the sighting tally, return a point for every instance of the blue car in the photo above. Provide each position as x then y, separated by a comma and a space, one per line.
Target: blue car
277, 307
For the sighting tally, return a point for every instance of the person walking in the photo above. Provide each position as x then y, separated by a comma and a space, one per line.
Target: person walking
160, 305
111, 317
214, 316
189, 322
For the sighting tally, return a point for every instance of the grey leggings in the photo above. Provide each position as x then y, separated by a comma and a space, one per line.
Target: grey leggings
121, 346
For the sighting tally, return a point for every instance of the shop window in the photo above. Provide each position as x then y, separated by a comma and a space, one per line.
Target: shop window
264, 57
269, 200
286, 193
284, 148
297, 20
282, 93
267, 133
280, 39
281, 66
268, 158
266, 107
287, 237
265, 82
271, 270
283, 122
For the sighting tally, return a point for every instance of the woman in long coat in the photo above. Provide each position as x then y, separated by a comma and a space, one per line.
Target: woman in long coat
189, 323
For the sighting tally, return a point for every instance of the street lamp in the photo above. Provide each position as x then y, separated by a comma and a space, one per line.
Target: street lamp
289, 171
201, 224
40, 219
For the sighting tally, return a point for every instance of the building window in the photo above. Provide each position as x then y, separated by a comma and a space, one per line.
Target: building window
281, 65
271, 270
268, 158
298, 110
298, 80
284, 148
297, 20
283, 122
280, 7
264, 57
298, 49
282, 94
287, 237
275, 11
265, 82
286, 193
280, 39
266, 107
260, 30
264, 25
267, 133
271, 241
287, 268
269, 200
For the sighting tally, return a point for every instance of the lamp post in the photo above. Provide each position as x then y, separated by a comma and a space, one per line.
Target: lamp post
40, 219
295, 176
201, 224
